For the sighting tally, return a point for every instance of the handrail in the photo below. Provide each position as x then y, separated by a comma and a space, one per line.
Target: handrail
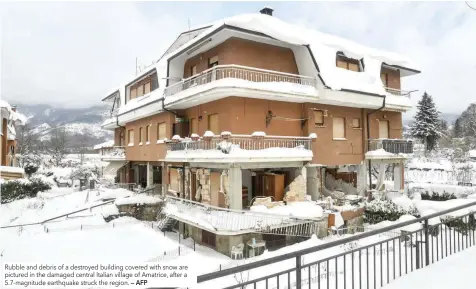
296, 254
395, 91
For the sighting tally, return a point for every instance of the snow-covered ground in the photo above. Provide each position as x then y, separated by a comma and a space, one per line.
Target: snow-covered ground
456, 272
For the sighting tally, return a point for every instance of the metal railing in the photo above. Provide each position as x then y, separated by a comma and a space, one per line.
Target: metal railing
228, 221
245, 142
398, 92
239, 72
394, 146
361, 265
114, 152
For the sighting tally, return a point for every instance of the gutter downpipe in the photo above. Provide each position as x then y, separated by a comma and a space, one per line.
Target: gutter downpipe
167, 110
368, 137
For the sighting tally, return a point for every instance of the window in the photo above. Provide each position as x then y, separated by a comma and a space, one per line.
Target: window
147, 87
356, 123
140, 90
147, 134
384, 77
213, 61
347, 63
140, 135
161, 131
383, 129
193, 70
319, 117
338, 128
130, 136
213, 123
193, 126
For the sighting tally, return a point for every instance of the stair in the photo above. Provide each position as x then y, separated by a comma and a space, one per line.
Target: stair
166, 223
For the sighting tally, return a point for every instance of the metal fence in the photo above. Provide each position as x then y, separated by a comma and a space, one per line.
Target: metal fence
398, 92
245, 142
361, 266
240, 72
394, 146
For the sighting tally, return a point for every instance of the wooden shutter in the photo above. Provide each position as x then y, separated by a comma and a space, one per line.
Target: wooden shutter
147, 87
383, 129
161, 131
147, 133
356, 123
140, 90
318, 117
130, 136
133, 93
384, 78
354, 66
341, 64
193, 70
140, 134
338, 127
213, 123
193, 126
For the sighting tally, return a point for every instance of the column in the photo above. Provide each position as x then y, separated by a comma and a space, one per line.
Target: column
362, 177
235, 184
398, 176
165, 179
150, 175
313, 182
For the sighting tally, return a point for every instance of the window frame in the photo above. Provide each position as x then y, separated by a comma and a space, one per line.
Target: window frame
158, 130
359, 122
140, 135
147, 134
130, 133
314, 111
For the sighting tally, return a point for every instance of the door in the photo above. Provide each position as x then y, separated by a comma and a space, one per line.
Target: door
213, 123
212, 62
383, 129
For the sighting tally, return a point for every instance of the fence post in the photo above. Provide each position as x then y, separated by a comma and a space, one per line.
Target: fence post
427, 243
179, 250
417, 254
193, 244
298, 272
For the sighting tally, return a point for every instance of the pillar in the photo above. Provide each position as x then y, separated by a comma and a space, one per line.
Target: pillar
398, 176
235, 184
165, 179
187, 176
362, 178
313, 182
150, 175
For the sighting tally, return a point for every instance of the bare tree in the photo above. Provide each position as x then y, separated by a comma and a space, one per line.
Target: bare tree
83, 144
26, 146
58, 143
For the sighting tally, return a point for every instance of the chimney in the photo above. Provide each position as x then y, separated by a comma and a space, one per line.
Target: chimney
267, 11
14, 108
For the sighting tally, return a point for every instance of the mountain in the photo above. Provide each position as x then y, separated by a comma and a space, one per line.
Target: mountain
80, 124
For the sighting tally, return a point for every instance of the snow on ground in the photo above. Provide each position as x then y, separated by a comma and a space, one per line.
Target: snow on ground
294, 209
138, 199
431, 188
456, 272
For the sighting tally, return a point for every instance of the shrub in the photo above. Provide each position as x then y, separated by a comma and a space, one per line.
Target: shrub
437, 197
19, 189
377, 211
30, 169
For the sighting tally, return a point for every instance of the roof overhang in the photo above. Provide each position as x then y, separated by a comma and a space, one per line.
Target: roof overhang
111, 97
404, 71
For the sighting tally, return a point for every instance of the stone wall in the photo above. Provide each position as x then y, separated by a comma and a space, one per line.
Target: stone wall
144, 212
203, 178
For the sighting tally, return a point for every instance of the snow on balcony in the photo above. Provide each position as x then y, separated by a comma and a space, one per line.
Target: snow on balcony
113, 153
389, 149
245, 148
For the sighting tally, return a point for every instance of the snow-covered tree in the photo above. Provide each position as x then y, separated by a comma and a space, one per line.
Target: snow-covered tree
57, 146
458, 128
426, 126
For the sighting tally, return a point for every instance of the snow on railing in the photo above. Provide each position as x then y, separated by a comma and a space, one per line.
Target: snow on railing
395, 146
229, 221
113, 152
245, 142
398, 92
239, 72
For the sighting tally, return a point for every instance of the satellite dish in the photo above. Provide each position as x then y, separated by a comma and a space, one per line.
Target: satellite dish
352, 168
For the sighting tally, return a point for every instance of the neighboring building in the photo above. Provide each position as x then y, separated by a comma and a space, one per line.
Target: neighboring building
9, 118
115, 156
252, 106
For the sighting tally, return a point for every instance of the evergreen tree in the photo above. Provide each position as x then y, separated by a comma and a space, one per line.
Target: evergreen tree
458, 128
427, 123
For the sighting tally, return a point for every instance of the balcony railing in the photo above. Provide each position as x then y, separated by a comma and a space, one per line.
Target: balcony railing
251, 74
244, 142
398, 92
395, 146
115, 152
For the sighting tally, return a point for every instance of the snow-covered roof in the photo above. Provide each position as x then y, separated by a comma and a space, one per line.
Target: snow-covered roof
472, 153
107, 144
324, 48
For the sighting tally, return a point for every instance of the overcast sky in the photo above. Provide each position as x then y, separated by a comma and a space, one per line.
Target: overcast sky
73, 54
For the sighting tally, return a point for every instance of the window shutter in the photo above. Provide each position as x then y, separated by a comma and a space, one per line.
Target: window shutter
213, 123
133, 93
193, 126
342, 64
318, 117
356, 123
354, 66
383, 129
338, 127
147, 131
147, 87
161, 131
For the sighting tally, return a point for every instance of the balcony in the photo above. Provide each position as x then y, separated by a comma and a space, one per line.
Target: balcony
114, 153
241, 148
250, 77
389, 148
398, 92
